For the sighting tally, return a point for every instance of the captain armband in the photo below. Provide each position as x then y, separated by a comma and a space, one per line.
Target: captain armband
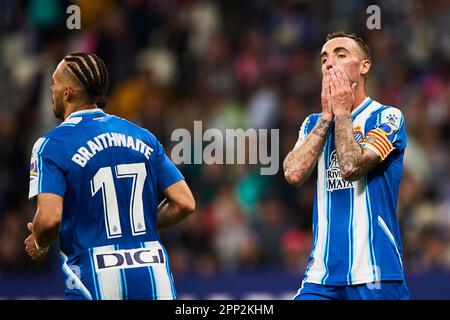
377, 140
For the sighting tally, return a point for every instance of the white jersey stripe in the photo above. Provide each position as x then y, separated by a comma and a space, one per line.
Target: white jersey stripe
41, 173
317, 271
362, 267
163, 282
362, 264
109, 281
36, 167
169, 273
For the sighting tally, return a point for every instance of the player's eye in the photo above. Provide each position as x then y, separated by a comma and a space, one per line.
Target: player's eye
324, 61
341, 55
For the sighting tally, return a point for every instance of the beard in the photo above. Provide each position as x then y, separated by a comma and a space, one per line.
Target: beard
58, 107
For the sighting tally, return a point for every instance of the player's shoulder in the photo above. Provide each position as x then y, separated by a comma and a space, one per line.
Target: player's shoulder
135, 128
63, 132
387, 114
313, 117
57, 138
309, 122
51, 146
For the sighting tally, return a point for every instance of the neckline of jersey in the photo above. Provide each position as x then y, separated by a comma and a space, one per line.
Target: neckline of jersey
85, 112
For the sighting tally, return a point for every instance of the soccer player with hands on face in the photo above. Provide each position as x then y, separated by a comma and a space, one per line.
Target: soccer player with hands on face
357, 145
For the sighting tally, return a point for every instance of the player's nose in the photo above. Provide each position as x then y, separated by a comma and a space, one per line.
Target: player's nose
329, 64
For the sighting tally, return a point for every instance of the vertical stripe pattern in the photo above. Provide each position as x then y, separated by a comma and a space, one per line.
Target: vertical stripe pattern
362, 264
163, 282
318, 269
109, 281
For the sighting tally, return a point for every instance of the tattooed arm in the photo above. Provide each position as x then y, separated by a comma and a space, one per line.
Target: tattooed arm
300, 162
354, 161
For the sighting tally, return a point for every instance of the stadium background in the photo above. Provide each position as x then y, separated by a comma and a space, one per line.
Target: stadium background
232, 64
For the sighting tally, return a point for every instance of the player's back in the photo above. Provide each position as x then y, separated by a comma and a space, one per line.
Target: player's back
112, 175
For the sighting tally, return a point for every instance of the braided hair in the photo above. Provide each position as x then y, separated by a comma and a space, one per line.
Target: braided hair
91, 71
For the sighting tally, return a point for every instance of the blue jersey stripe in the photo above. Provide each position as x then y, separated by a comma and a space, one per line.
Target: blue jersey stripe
155, 295
124, 284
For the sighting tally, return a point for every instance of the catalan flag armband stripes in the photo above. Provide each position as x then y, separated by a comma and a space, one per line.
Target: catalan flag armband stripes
377, 141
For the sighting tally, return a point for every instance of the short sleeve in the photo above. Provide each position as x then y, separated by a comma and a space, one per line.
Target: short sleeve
306, 127
167, 172
46, 173
388, 133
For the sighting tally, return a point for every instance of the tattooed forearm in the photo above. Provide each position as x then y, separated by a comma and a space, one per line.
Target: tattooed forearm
348, 150
353, 161
321, 128
300, 162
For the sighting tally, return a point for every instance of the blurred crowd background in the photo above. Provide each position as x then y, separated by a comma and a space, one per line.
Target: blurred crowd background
232, 64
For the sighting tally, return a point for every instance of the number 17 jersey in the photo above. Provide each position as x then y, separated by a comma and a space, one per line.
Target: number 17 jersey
110, 173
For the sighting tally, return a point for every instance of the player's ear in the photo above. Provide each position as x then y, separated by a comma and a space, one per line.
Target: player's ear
365, 67
67, 95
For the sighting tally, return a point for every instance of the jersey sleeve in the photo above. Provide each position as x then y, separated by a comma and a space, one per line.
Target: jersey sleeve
167, 172
387, 133
46, 169
306, 127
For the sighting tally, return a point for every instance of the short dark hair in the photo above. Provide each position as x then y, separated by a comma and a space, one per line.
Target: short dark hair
91, 71
361, 43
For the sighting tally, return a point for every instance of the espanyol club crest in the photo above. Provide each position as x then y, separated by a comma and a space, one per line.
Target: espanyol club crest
357, 133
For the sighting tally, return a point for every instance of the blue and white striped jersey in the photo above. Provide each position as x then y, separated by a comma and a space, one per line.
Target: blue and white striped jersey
356, 232
110, 173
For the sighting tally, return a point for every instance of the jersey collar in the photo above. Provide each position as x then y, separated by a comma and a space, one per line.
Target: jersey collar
85, 112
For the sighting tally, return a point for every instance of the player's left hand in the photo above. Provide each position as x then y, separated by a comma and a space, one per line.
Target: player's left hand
342, 93
30, 246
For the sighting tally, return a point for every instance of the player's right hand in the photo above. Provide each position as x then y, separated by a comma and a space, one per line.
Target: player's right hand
327, 111
30, 245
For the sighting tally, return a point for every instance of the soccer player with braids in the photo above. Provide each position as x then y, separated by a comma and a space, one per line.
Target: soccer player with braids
97, 179
357, 145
